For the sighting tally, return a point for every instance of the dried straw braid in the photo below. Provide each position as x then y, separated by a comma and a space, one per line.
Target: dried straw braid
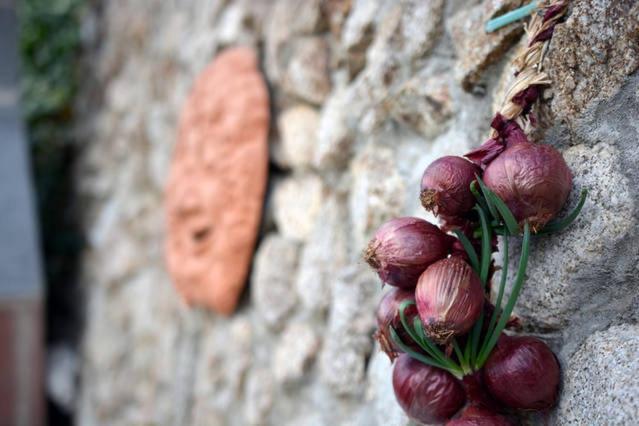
529, 63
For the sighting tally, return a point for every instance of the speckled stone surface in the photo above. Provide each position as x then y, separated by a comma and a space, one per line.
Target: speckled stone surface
601, 386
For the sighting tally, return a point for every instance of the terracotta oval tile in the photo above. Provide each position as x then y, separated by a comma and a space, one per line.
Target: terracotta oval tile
216, 184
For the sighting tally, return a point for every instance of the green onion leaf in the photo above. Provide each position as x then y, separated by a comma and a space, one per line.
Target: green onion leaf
470, 250
485, 247
500, 293
519, 280
561, 224
489, 202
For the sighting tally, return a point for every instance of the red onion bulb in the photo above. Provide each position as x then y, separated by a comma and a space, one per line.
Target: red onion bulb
427, 394
533, 180
479, 416
449, 298
445, 188
522, 372
388, 316
402, 249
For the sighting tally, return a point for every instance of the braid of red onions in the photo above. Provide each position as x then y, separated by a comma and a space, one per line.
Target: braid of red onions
453, 360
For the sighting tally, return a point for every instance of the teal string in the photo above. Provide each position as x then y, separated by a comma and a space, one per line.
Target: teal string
512, 16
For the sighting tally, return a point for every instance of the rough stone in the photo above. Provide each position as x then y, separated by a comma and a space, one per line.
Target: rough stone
325, 252
558, 264
335, 135
419, 27
348, 340
600, 386
592, 53
242, 21
476, 49
259, 396
564, 287
215, 388
423, 103
217, 181
294, 353
296, 202
358, 33
306, 71
288, 18
380, 391
298, 131
377, 194
273, 293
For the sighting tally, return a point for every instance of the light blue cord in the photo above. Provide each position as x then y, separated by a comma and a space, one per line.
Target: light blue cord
512, 16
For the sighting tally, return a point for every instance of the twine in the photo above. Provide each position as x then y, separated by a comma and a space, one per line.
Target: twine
529, 63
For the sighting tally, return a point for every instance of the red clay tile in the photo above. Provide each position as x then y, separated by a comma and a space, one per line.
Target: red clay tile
217, 180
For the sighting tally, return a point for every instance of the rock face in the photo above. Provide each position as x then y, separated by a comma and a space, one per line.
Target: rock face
216, 184
364, 95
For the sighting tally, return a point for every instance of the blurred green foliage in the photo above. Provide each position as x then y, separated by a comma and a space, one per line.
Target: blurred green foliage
49, 43
49, 50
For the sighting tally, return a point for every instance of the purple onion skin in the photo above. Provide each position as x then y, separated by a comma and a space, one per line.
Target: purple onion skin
449, 299
426, 394
445, 188
533, 180
404, 247
388, 316
522, 372
479, 416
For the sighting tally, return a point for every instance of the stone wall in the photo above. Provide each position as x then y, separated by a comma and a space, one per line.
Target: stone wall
365, 94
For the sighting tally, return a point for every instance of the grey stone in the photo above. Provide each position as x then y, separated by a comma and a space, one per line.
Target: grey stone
582, 279
242, 22
259, 396
272, 278
592, 53
348, 340
600, 385
296, 202
325, 252
216, 388
335, 134
288, 18
559, 264
423, 103
306, 71
358, 32
294, 352
378, 192
419, 27
476, 49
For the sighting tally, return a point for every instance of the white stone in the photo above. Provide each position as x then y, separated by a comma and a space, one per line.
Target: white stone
348, 341
272, 292
377, 193
296, 202
259, 396
298, 132
294, 353
325, 252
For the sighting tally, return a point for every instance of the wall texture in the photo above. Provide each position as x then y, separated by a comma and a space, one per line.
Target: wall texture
365, 94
